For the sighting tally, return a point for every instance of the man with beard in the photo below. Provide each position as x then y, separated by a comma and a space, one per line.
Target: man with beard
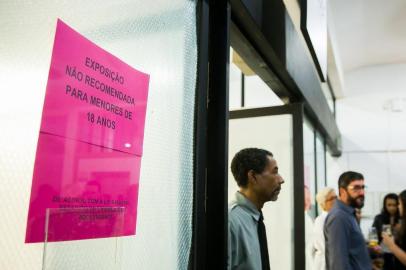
256, 173
345, 244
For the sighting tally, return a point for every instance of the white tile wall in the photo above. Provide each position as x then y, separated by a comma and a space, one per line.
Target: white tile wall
397, 175
373, 166
362, 128
335, 166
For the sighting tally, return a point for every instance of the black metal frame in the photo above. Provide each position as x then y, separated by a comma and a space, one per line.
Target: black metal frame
210, 224
316, 186
210, 219
198, 250
317, 133
272, 47
325, 162
242, 90
330, 88
297, 112
217, 136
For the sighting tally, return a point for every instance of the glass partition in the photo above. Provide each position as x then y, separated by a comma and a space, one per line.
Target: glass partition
275, 134
242, 79
83, 222
309, 188
234, 84
156, 37
321, 163
309, 168
258, 93
314, 180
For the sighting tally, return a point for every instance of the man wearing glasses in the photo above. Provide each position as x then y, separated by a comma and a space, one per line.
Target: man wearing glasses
256, 173
345, 244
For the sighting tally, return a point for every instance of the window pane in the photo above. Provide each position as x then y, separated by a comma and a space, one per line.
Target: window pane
309, 188
278, 216
309, 168
234, 84
321, 162
156, 37
259, 94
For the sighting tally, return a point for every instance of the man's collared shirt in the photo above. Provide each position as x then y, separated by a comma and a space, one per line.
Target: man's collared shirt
243, 245
345, 245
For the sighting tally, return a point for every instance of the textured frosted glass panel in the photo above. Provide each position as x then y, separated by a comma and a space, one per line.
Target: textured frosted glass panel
102, 254
157, 37
273, 133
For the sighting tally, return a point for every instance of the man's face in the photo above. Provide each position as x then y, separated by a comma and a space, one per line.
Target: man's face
268, 183
355, 193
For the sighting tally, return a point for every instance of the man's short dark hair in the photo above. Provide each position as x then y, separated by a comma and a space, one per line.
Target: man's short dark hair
347, 177
248, 159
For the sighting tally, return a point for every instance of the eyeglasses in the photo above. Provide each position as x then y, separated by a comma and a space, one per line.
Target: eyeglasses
357, 187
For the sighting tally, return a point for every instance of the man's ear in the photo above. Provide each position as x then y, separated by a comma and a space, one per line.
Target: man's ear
251, 176
342, 192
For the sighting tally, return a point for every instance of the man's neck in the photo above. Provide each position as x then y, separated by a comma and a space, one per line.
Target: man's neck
344, 202
252, 198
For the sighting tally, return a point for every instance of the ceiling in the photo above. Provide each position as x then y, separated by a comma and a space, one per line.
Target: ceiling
366, 36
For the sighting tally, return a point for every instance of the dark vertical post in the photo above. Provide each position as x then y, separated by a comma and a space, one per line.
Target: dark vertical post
298, 187
242, 90
330, 88
217, 136
325, 161
210, 223
198, 250
316, 166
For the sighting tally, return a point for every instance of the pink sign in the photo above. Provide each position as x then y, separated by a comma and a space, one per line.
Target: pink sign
93, 96
90, 144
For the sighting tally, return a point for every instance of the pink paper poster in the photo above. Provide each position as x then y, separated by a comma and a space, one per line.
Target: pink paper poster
88, 159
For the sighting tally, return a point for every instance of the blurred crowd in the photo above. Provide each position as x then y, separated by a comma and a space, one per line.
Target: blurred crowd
337, 242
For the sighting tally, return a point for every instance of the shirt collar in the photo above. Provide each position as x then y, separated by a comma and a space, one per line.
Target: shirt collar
247, 204
350, 210
324, 213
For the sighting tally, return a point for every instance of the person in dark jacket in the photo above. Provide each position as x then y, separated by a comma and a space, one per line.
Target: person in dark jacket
389, 216
398, 246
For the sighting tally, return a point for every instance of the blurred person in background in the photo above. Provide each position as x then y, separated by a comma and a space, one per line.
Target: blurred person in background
388, 218
309, 223
398, 245
326, 199
389, 214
